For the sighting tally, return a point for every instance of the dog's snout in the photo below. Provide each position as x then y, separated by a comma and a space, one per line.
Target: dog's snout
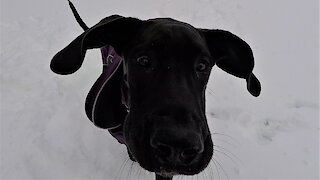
180, 147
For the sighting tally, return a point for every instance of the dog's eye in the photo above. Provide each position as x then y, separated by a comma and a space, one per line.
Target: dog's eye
202, 66
144, 61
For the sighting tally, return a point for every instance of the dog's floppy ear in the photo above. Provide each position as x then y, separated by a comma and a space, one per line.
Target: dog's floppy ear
234, 56
114, 30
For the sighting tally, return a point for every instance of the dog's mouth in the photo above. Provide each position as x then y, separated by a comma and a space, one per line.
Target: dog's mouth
197, 165
150, 161
169, 171
166, 146
165, 173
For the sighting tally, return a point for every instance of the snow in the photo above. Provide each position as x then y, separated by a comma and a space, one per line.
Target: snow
46, 135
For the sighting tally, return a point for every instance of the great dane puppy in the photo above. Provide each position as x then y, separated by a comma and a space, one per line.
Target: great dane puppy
155, 102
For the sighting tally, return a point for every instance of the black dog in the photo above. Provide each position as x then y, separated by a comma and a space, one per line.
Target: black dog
166, 66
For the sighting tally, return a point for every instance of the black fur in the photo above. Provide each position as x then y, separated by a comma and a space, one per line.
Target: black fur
166, 129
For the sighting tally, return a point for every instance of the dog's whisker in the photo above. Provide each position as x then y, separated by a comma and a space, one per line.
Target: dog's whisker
204, 174
209, 91
216, 167
145, 174
227, 152
182, 177
224, 140
220, 165
134, 170
138, 170
122, 167
229, 157
139, 173
211, 173
225, 135
126, 166
127, 162
130, 170
178, 177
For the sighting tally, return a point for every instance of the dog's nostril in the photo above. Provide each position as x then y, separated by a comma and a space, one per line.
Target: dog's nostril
176, 154
164, 150
176, 146
189, 154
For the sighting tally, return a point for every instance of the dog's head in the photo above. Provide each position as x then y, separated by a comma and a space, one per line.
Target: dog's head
167, 66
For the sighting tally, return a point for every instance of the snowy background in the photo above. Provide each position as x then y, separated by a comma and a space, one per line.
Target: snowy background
45, 133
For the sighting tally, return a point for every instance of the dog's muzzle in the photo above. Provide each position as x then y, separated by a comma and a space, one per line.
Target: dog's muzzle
175, 142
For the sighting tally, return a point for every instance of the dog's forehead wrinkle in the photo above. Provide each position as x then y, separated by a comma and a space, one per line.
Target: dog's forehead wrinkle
169, 41
163, 30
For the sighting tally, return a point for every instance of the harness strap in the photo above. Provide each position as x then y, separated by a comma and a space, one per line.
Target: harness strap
111, 62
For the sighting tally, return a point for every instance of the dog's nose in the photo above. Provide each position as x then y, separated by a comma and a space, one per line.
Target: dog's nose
176, 147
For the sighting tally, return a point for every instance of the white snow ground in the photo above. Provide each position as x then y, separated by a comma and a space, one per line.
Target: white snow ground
46, 135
